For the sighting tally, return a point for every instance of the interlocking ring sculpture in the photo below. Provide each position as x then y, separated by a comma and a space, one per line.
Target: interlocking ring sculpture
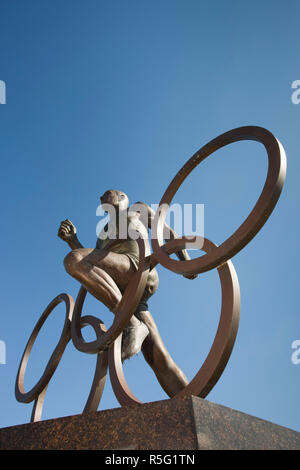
107, 345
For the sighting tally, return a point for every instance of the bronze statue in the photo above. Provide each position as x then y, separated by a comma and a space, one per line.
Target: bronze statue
106, 274
121, 273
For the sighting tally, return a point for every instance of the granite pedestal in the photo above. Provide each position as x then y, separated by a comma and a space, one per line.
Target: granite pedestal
187, 423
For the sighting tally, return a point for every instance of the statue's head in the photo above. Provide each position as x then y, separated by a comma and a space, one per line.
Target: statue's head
116, 198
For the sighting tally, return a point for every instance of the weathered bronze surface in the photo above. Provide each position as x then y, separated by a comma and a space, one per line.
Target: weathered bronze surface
124, 279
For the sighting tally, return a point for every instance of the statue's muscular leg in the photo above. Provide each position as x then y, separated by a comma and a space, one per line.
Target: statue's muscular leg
170, 377
105, 275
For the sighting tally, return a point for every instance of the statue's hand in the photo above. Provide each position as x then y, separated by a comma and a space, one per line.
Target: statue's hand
67, 231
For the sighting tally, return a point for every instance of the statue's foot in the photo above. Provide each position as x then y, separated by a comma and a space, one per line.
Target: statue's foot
132, 340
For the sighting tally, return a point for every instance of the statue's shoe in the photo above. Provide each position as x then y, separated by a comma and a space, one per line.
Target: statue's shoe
132, 340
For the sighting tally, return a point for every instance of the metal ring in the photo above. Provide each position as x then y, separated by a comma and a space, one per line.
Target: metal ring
221, 349
99, 379
26, 397
117, 378
38, 391
255, 220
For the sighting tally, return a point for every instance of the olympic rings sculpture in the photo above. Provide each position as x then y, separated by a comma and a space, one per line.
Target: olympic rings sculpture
107, 345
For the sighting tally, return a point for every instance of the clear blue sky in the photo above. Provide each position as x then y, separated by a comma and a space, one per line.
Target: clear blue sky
120, 94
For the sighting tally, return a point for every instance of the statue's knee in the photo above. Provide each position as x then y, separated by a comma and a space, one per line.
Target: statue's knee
71, 262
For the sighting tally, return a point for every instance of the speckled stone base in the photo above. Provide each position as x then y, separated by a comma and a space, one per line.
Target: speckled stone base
188, 423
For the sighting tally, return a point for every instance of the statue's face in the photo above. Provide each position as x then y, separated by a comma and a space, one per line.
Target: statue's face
116, 198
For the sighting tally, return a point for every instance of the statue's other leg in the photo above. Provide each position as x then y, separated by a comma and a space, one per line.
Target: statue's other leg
170, 377
105, 275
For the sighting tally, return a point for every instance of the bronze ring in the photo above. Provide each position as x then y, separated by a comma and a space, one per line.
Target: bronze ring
255, 220
38, 392
219, 354
100, 374
117, 378
27, 397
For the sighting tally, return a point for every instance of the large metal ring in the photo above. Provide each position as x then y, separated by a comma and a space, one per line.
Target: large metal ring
255, 220
219, 354
99, 379
27, 397
38, 391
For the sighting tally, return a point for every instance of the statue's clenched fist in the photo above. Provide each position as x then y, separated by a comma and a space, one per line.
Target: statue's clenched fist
67, 231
